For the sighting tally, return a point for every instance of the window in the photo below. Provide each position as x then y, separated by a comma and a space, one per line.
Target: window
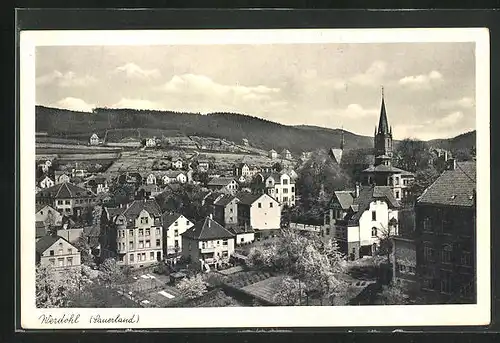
447, 226
176, 233
59, 202
131, 232
143, 256
428, 254
224, 242
148, 244
374, 215
67, 202
70, 251
131, 257
52, 261
144, 220
285, 181
60, 262
70, 261
176, 223
465, 259
277, 190
141, 232
141, 244
157, 232
242, 240
131, 245
374, 232
427, 224
328, 231
187, 222
270, 204
225, 254
445, 281
285, 190
60, 252
397, 180
51, 252
327, 219
285, 199
446, 254
259, 205
467, 291
152, 255
41, 212
429, 283
397, 194
148, 232
293, 189
158, 243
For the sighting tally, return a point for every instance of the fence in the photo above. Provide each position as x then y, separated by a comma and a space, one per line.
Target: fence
305, 227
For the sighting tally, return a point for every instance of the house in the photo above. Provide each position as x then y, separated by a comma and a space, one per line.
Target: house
225, 210
336, 153
47, 215
78, 173
223, 184
272, 154
133, 233
66, 198
151, 142
207, 244
173, 176
358, 220
61, 177
147, 191
241, 179
382, 173
174, 225
286, 154
70, 233
404, 257
177, 163
58, 252
46, 182
445, 235
241, 169
94, 139
243, 235
203, 165
98, 184
258, 211
278, 185
151, 179
45, 166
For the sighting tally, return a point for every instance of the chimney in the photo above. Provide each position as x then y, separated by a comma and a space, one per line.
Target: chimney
357, 190
452, 164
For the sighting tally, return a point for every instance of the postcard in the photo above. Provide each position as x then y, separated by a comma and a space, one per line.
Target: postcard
254, 178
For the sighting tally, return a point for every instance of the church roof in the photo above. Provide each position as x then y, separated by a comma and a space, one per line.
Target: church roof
383, 125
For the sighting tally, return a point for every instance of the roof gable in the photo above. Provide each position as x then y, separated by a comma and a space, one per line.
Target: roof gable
46, 242
208, 229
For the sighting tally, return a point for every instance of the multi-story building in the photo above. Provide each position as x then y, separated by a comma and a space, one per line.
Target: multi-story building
258, 212
226, 210
382, 172
67, 198
58, 252
173, 176
133, 233
278, 185
61, 177
48, 215
177, 163
286, 154
245, 170
94, 139
207, 244
445, 235
226, 185
272, 154
46, 182
174, 225
358, 220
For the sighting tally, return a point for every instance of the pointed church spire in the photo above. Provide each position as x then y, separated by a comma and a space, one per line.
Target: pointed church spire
342, 142
383, 126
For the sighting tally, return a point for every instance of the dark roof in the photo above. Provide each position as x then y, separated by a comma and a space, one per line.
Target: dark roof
66, 190
344, 198
171, 173
226, 199
381, 168
208, 229
367, 195
40, 229
249, 199
239, 229
133, 209
169, 218
46, 242
212, 197
38, 207
383, 125
453, 187
221, 181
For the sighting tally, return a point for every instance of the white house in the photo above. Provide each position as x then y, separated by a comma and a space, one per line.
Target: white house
173, 176
151, 142
243, 235
45, 166
94, 139
151, 179
58, 252
48, 215
177, 163
223, 184
258, 211
174, 225
278, 185
286, 154
46, 182
61, 177
358, 220
272, 154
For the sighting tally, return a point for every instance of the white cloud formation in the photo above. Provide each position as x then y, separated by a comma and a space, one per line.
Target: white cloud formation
465, 102
138, 104
372, 76
74, 104
356, 111
422, 81
132, 70
67, 79
449, 120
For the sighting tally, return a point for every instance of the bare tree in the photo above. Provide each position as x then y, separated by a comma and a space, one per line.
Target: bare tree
289, 292
192, 287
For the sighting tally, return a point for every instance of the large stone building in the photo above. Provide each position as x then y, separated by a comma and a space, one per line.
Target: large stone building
382, 172
67, 198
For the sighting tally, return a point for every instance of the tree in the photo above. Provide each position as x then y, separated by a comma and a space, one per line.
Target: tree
111, 273
278, 167
393, 294
83, 245
289, 292
423, 179
385, 235
192, 287
412, 155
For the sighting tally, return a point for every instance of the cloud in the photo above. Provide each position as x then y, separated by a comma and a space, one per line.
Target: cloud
422, 81
356, 111
449, 120
465, 102
68, 79
138, 104
133, 71
372, 76
74, 104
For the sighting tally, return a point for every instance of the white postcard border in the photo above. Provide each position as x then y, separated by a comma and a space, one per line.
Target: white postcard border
316, 316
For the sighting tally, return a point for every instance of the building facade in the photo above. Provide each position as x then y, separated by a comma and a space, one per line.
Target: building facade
67, 198
226, 210
278, 185
57, 252
174, 225
258, 212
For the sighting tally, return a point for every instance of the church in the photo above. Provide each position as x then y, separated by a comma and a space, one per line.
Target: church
382, 172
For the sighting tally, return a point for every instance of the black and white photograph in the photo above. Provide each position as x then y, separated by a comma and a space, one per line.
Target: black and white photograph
255, 170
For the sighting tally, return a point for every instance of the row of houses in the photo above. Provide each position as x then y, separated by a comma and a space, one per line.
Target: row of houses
285, 154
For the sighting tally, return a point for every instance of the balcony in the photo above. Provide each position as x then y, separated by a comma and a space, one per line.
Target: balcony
207, 249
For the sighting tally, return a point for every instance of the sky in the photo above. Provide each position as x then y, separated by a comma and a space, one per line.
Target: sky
429, 88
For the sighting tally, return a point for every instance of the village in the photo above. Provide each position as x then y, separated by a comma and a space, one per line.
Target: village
177, 222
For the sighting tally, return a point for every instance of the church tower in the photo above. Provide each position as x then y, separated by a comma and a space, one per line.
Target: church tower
383, 138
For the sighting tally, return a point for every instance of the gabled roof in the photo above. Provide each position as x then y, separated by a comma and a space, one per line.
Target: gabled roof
249, 199
39, 207
171, 173
221, 181
381, 168
272, 150
336, 154
212, 197
46, 242
226, 199
132, 211
367, 195
383, 125
344, 198
453, 187
207, 229
66, 190
94, 135
239, 230
170, 218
